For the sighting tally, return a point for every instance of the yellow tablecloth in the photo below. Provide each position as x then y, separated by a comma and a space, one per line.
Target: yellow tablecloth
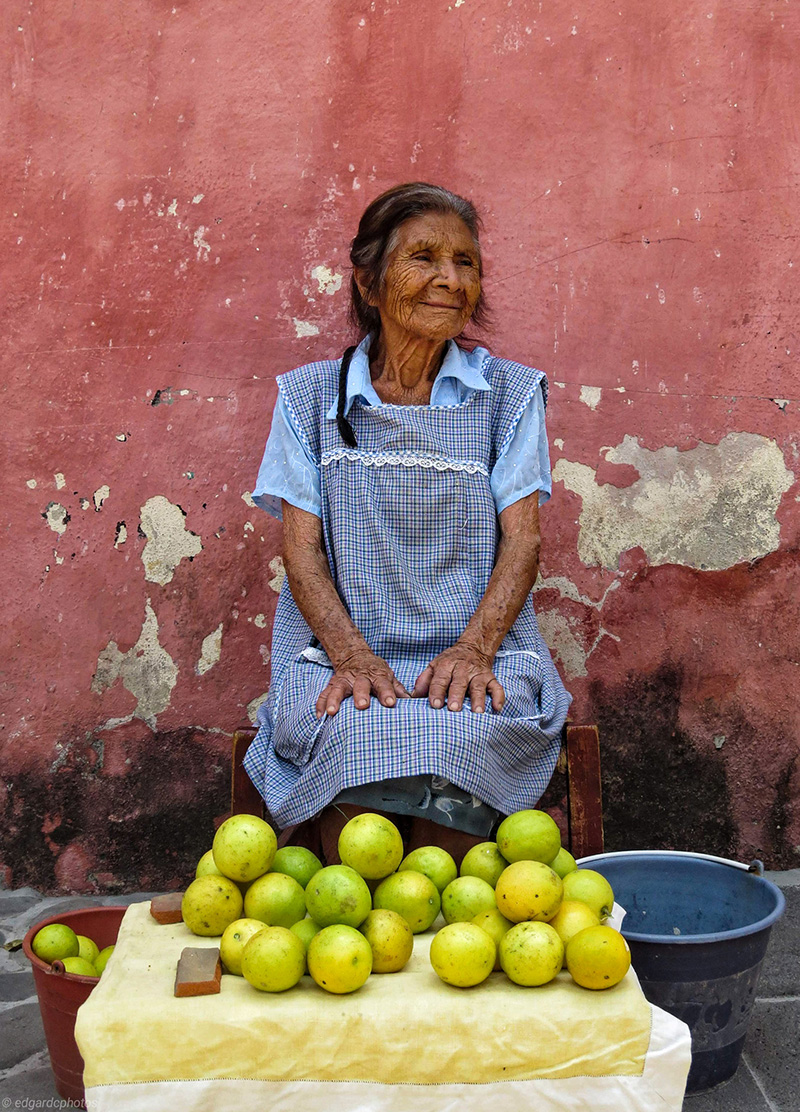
141, 1044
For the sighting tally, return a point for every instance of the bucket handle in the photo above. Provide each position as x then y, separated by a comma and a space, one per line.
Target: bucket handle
755, 865
58, 967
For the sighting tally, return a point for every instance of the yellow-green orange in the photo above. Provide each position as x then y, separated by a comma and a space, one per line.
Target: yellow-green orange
485, 861
563, 863
297, 862
531, 954
463, 954
80, 966
273, 960
210, 904
529, 890
372, 845
206, 865
571, 917
244, 847
275, 899
337, 894
339, 959
102, 959
305, 930
411, 895
495, 924
464, 897
598, 957
433, 862
528, 836
88, 950
590, 888
55, 942
391, 940
234, 939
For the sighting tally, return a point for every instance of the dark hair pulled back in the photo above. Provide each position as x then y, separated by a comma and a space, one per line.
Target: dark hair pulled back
374, 242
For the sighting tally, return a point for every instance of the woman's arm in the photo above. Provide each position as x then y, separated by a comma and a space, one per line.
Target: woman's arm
467, 665
357, 670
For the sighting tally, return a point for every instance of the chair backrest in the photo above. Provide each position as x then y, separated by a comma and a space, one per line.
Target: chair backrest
580, 761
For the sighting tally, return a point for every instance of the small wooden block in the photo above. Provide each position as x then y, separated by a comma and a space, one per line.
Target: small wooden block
199, 971
167, 908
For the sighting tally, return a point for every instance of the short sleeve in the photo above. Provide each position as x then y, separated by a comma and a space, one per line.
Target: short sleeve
287, 471
524, 466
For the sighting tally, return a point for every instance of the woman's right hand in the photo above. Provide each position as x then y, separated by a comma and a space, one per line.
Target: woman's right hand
361, 675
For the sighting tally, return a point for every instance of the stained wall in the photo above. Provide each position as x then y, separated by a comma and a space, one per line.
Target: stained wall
181, 184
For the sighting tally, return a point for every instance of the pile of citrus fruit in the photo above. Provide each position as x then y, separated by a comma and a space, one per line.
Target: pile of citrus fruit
78, 953
519, 904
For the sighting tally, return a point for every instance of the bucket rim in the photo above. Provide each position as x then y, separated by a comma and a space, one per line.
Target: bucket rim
44, 966
696, 939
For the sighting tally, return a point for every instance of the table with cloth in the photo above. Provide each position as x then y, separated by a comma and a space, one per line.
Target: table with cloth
403, 1041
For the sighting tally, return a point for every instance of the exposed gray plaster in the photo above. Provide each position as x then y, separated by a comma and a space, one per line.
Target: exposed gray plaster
253, 706
278, 574
710, 507
56, 517
168, 540
147, 671
209, 653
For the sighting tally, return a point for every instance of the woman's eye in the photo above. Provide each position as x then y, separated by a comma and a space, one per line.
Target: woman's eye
423, 256
466, 262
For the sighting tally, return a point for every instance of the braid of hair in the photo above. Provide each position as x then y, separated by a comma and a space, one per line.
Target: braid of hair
344, 426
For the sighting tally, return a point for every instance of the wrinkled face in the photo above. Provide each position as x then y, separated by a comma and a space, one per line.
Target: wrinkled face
433, 280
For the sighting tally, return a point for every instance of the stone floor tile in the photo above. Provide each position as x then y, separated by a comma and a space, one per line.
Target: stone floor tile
740, 1094
772, 1050
21, 1034
780, 973
17, 986
32, 1084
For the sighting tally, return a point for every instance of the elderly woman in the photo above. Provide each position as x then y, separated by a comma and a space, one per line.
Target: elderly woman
408, 673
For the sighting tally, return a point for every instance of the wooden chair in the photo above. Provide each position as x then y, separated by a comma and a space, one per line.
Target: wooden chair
579, 762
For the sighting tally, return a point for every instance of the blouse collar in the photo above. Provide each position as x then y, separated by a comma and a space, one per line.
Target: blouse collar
464, 367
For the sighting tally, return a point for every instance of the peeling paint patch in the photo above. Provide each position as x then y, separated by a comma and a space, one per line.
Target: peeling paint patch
56, 517
168, 539
247, 498
30, 484
328, 281
209, 653
556, 631
59, 480
253, 706
304, 328
146, 670
590, 395
278, 573
260, 620
100, 496
203, 248
121, 534
710, 507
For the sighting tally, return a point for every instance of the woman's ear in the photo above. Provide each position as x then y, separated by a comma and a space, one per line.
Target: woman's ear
360, 278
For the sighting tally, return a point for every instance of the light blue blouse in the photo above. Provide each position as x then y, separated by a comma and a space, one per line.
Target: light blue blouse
287, 471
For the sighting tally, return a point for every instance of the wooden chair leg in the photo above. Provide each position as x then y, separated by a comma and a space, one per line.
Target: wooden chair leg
584, 793
245, 797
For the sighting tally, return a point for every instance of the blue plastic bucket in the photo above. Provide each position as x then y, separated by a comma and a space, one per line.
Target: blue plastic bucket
698, 929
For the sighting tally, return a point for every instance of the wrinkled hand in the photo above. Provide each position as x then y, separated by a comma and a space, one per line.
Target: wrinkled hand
361, 675
458, 670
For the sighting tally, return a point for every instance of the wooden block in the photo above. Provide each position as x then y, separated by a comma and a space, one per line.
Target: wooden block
167, 908
199, 971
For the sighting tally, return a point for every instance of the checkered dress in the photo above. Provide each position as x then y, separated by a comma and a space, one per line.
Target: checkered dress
411, 532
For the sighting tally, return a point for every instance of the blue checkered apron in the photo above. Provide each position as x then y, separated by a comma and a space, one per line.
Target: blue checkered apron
411, 531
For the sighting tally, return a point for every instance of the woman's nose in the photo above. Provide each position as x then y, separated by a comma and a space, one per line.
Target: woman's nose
448, 274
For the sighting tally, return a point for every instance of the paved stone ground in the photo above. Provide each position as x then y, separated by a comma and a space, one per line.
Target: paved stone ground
767, 1079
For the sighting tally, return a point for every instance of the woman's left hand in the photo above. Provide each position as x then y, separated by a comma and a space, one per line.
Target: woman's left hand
459, 670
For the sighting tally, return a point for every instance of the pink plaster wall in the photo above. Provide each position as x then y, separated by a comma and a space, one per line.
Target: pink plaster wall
176, 171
